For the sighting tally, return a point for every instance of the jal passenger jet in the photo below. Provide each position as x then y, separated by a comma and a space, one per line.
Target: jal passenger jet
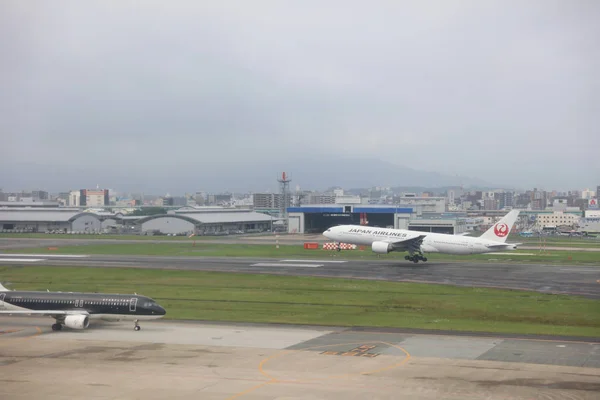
385, 240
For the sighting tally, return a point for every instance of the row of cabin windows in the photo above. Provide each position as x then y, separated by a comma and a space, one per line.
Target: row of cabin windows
93, 303
451, 243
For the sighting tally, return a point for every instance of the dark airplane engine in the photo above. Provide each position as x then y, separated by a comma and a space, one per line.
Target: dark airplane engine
77, 321
381, 247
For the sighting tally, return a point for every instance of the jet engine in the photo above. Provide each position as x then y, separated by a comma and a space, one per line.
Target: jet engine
381, 247
77, 321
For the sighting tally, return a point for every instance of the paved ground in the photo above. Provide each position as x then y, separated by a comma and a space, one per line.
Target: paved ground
178, 360
565, 279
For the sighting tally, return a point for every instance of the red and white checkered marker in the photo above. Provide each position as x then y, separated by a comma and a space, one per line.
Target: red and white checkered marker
334, 246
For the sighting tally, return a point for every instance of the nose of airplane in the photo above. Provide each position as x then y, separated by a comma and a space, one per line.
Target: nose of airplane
327, 233
160, 310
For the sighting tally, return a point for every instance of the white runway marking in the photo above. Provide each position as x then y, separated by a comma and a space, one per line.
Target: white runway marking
513, 254
43, 255
317, 261
592, 270
21, 259
286, 265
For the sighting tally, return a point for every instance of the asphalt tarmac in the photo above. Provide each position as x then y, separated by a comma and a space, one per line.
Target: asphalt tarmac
199, 360
556, 279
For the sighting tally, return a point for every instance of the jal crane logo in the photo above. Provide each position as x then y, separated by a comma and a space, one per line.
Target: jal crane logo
501, 230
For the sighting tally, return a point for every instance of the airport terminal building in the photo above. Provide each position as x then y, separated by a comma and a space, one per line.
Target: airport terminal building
318, 218
310, 219
313, 219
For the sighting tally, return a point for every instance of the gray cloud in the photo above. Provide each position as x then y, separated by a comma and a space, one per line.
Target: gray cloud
503, 90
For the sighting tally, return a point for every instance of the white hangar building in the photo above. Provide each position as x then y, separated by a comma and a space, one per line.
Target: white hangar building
47, 220
206, 221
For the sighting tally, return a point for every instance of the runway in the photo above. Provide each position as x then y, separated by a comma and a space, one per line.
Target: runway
182, 360
557, 279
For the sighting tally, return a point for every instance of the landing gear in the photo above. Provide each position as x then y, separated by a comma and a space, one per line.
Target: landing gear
415, 258
56, 327
136, 326
339, 247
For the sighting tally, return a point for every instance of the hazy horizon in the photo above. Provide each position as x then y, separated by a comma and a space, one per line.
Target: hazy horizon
193, 94
265, 180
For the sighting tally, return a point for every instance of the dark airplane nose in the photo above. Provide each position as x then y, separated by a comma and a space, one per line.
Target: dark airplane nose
160, 310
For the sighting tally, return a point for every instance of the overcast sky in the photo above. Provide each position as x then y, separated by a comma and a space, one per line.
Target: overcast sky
505, 91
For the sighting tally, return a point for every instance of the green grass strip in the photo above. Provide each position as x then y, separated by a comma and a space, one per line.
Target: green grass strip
528, 241
325, 301
104, 236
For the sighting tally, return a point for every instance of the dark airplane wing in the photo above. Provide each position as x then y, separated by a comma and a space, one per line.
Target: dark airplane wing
412, 244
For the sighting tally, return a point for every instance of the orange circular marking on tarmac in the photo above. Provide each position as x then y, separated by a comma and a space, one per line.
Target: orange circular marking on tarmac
279, 354
10, 331
38, 332
286, 352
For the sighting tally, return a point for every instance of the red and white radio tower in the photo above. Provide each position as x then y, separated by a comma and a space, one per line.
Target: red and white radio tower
285, 196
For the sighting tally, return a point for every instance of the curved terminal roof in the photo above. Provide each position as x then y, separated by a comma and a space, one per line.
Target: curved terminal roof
214, 217
37, 215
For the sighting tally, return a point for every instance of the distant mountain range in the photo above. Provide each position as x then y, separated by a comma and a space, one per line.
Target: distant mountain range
438, 190
351, 173
232, 176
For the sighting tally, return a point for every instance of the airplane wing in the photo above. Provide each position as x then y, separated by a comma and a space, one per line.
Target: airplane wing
45, 313
412, 244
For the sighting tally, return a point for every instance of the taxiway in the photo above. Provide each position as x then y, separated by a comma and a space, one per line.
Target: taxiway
178, 360
557, 279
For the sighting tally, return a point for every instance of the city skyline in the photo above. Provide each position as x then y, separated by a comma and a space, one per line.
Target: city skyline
42, 194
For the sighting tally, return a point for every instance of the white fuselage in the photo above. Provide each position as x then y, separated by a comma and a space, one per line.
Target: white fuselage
432, 243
